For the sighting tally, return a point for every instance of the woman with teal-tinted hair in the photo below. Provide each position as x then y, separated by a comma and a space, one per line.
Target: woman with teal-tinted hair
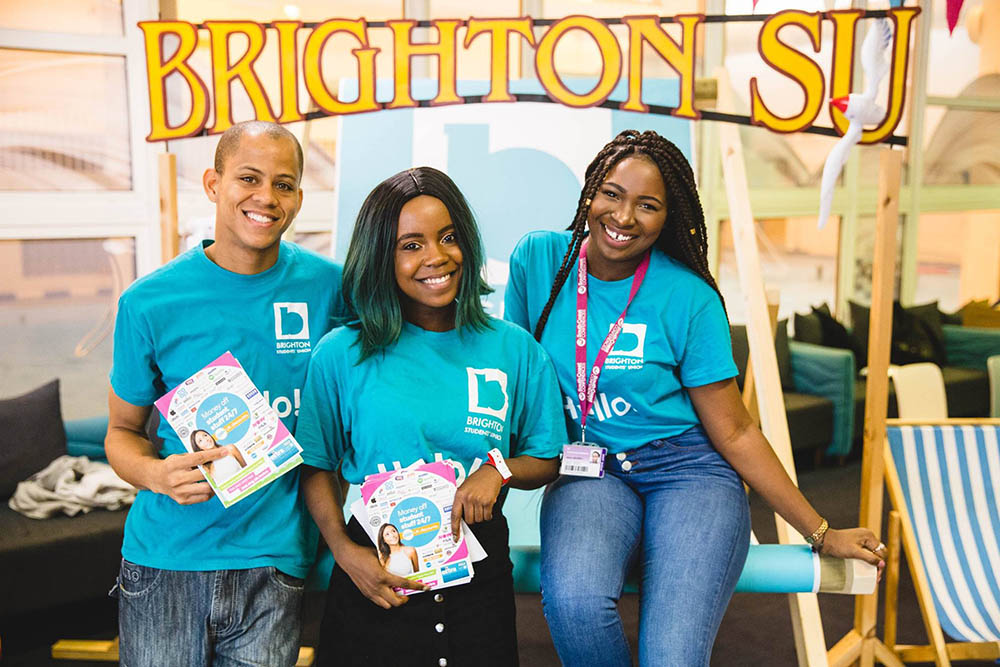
423, 372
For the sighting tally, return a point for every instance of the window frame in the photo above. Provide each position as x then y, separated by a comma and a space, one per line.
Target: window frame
131, 213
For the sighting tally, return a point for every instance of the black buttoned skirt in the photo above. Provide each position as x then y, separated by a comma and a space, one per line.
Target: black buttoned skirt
471, 624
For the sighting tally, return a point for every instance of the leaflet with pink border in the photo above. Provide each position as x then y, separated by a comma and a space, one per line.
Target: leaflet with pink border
408, 514
219, 406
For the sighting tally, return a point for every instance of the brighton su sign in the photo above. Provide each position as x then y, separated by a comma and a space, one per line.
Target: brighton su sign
284, 105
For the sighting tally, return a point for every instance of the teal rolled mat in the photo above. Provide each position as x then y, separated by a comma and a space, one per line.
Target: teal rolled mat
770, 568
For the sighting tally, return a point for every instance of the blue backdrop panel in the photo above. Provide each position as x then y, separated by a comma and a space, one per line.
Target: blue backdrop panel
520, 165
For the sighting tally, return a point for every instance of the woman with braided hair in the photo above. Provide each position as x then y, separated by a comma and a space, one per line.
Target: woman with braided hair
640, 341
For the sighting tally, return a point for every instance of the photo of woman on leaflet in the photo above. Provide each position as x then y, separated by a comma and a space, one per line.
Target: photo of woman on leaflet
395, 557
220, 469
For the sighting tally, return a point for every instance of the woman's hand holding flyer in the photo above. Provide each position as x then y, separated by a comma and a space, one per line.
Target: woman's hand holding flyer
372, 579
474, 500
408, 515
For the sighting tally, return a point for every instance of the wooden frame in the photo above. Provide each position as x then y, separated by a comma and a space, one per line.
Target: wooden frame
938, 651
57, 214
169, 236
810, 645
861, 644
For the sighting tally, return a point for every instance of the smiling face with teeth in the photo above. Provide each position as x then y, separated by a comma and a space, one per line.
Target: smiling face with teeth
625, 218
428, 263
256, 198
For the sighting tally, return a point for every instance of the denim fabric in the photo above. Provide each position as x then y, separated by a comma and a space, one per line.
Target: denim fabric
679, 508
224, 618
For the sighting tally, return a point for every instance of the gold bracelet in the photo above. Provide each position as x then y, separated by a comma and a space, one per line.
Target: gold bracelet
818, 534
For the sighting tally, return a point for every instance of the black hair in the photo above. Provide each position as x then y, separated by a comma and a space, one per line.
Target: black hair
230, 141
383, 548
370, 287
684, 235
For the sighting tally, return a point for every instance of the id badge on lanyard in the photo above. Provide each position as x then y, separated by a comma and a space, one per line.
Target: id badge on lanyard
582, 458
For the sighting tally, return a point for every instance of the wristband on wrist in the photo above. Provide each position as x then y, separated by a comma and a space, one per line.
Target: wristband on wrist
816, 539
495, 458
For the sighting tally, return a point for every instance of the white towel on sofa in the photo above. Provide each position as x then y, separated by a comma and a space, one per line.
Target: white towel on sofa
71, 485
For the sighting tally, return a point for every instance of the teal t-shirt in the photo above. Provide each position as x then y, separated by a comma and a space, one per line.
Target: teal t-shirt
172, 323
457, 394
675, 335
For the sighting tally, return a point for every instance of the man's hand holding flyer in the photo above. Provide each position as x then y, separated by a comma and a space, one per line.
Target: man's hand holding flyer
219, 406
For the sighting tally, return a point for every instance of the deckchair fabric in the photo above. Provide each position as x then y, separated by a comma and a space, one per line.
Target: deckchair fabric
950, 479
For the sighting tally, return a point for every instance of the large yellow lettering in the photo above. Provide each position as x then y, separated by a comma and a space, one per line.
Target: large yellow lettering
843, 57
289, 71
157, 72
223, 74
798, 67
647, 29
444, 49
611, 54
499, 65
312, 66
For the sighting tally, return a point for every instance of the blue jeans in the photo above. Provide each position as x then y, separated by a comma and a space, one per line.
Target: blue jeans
678, 505
225, 618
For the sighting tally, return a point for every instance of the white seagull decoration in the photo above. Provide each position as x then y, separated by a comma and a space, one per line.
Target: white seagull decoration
860, 109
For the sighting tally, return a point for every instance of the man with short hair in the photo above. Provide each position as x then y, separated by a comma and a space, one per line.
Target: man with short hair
201, 584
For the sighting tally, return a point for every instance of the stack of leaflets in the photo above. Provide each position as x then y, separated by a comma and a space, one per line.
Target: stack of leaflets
407, 515
219, 406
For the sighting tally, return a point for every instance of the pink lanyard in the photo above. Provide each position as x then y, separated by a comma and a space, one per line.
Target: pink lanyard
588, 393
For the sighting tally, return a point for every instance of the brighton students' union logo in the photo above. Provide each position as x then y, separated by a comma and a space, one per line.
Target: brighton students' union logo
291, 327
629, 348
488, 392
291, 321
631, 342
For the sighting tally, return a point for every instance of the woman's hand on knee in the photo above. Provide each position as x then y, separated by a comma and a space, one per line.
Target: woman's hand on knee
474, 500
855, 543
372, 579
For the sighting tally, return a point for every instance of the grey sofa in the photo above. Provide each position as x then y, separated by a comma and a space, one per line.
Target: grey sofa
50, 562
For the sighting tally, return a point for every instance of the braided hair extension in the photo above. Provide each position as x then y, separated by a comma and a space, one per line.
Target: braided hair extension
684, 235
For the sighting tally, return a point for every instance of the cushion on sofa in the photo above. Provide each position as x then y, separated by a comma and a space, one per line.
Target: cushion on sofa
31, 435
950, 318
980, 314
970, 347
808, 329
917, 334
913, 339
834, 333
820, 327
85, 437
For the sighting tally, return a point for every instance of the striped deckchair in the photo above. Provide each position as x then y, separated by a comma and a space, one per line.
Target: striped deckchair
944, 483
